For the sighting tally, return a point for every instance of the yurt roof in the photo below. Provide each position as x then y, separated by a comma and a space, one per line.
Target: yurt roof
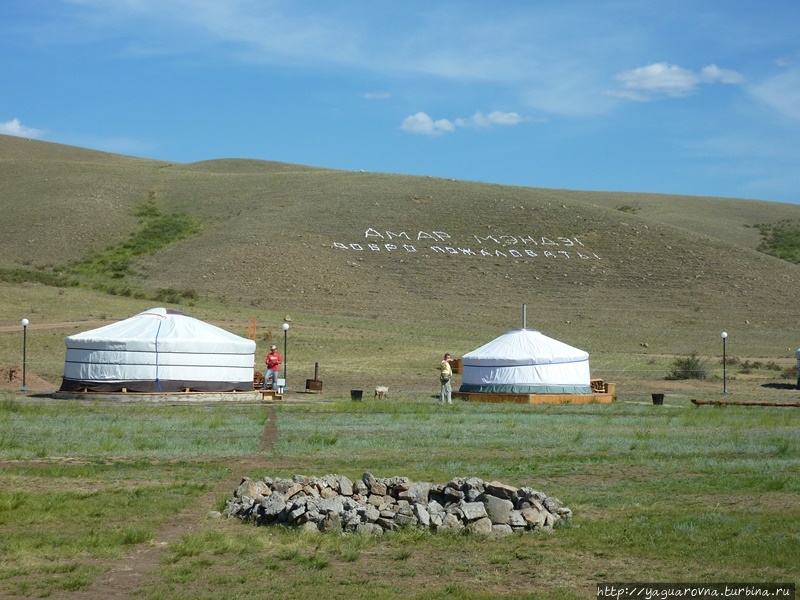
523, 347
162, 330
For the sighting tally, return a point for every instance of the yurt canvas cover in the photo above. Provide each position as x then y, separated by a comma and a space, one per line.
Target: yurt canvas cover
524, 361
159, 350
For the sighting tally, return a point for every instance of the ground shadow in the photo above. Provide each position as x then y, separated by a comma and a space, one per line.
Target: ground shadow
780, 386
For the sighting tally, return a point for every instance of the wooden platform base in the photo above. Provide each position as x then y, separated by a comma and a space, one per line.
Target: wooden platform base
605, 397
537, 398
270, 395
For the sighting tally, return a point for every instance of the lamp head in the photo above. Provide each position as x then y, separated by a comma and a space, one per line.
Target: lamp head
724, 334
286, 327
25, 322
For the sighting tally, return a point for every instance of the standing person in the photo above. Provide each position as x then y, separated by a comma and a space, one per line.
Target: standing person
273, 361
445, 374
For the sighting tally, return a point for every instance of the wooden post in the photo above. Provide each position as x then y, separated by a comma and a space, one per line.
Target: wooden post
251, 330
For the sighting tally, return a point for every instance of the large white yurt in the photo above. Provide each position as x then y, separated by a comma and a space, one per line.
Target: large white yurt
158, 350
524, 361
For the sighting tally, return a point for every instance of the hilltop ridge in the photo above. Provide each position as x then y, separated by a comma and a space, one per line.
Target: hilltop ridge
401, 249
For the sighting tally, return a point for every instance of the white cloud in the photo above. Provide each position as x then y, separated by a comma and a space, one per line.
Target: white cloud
377, 95
14, 127
493, 118
663, 79
712, 74
781, 93
421, 123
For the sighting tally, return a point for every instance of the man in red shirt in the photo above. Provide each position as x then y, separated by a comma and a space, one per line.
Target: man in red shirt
273, 361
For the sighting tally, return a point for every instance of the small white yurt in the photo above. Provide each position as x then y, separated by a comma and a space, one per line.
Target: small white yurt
159, 350
524, 361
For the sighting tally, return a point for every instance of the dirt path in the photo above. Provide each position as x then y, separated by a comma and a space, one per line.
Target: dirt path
140, 567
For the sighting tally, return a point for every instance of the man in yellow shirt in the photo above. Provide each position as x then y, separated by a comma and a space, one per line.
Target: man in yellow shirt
445, 374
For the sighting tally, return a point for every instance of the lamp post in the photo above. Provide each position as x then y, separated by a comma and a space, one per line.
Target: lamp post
724, 364
24, 351
285, 332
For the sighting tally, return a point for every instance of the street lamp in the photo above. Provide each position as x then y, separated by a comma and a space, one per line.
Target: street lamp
724, 364
25, 323
285, 332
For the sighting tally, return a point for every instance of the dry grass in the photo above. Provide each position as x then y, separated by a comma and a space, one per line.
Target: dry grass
671, 276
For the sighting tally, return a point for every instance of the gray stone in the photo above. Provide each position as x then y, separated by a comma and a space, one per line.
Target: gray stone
330, 481
378, 488
473, 488
310, 527
473, 510
397, 483
273, 505
313, 515
422, 515
552, 504
501, 490
345, 485
369, 529
481, 526
405, 520
352, 523
331, 522
501, 530
451, 523
515, 519
435, 508
453, 493
534, 518
386, 524
335, 504
249, 488
327, 492
527, 493
475, 482
564, 512
368, 479
371, 514
261, 488
498, 509
296, 513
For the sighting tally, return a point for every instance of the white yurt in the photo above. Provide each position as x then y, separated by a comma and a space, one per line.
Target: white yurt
159, 350
524, 361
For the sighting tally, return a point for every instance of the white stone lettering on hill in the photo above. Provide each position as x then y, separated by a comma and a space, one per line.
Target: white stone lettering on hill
555, 247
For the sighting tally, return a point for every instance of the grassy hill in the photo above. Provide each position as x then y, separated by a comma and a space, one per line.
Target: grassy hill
382, 273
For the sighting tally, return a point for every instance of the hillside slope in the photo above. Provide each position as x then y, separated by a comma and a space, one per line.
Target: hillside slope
406, 249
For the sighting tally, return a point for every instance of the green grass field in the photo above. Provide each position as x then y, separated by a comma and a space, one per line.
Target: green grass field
669, 493
102, 499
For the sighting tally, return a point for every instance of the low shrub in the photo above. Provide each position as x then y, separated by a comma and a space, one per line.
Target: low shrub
688, 367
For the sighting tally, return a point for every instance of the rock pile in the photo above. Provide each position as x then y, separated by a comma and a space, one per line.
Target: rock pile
373, 505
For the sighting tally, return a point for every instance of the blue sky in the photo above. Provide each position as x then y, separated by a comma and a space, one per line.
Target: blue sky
698, 97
